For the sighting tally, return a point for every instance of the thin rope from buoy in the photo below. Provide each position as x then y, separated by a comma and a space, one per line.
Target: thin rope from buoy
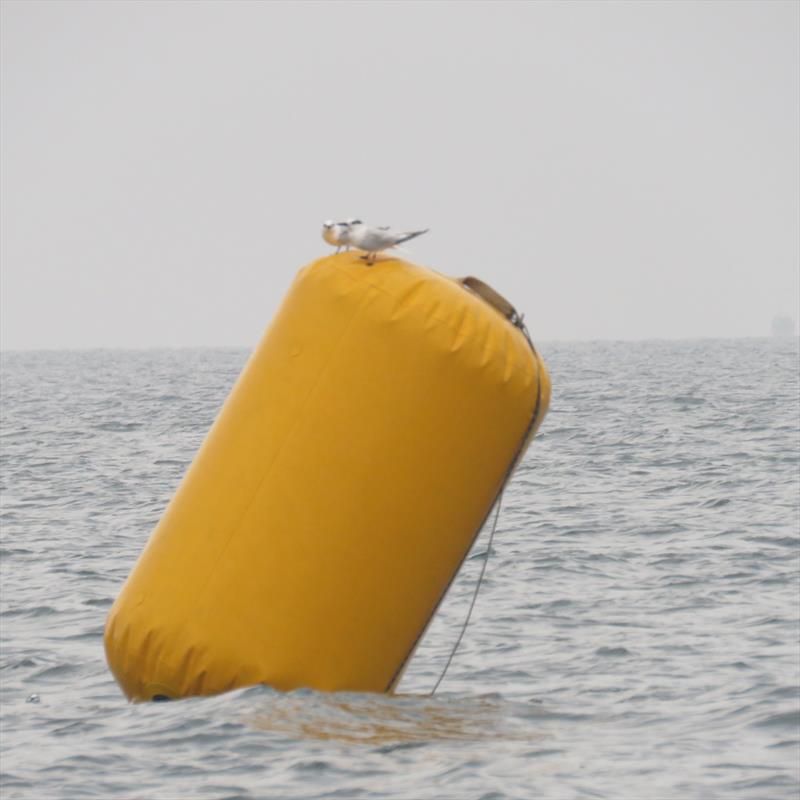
474, 594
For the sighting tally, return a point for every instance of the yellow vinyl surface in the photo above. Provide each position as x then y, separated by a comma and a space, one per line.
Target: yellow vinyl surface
337, 492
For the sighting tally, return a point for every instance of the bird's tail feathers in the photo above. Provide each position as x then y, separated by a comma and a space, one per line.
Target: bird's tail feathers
410, 235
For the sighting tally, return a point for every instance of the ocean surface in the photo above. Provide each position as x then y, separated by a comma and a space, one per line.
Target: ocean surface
636, 636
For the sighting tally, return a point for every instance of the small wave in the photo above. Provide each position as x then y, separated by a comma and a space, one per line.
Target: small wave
14, 551
35, 611
790, 692
690, 399
615, 652
57, 671
786, 743
99, 602
781, 541
786, 719
118, 427
22, 664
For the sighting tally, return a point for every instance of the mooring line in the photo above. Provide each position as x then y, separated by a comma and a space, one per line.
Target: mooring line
474, 594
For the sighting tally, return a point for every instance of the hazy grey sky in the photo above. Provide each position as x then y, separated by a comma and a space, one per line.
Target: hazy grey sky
618, 170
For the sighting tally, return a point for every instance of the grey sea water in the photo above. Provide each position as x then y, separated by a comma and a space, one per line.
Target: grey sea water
636, 635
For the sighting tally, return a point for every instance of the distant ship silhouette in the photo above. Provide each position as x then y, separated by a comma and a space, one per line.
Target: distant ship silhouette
782, 326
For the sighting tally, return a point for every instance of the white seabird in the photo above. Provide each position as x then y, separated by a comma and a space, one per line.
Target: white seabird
336, 234
373, 240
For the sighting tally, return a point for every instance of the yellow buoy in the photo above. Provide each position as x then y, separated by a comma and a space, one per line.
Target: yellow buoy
338, 491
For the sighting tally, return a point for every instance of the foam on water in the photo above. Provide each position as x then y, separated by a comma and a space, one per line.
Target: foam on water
636, 636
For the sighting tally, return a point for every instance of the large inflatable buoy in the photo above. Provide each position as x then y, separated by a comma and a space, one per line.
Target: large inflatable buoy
339, 490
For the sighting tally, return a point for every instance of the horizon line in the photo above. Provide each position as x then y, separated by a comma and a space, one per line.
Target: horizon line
142, 348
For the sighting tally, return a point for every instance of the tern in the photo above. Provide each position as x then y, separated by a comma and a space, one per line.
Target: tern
336, 233
373, 240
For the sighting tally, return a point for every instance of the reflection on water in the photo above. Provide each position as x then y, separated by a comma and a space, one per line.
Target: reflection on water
375, 719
